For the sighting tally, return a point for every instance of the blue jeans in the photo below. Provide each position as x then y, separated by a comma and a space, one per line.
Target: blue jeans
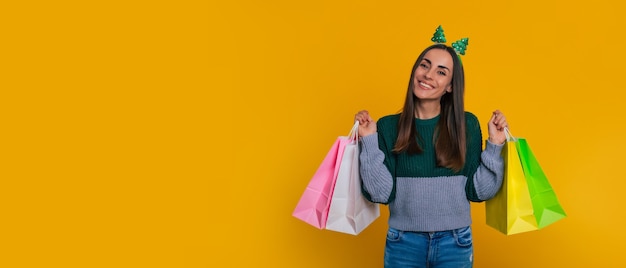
445, 249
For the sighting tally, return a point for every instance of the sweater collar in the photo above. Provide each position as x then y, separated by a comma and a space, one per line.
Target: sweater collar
427, 122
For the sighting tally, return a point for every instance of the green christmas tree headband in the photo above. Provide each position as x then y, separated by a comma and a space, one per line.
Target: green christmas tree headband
459, 46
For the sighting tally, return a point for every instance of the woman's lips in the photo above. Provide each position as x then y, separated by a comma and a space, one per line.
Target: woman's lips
425, 86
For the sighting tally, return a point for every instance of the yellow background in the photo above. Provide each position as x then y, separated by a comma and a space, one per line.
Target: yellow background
182, 133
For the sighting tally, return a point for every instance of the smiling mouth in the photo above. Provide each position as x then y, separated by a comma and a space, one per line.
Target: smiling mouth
424, 85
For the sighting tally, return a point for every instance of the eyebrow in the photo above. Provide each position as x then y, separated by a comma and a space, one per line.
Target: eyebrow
440, 66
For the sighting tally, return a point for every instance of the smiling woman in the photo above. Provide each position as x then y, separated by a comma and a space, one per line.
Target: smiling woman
433, 78
427, 164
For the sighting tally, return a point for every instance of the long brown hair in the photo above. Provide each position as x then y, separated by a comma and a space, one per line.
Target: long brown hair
449, 138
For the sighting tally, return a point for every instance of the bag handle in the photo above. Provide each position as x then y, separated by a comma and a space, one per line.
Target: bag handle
509, 136
354, 132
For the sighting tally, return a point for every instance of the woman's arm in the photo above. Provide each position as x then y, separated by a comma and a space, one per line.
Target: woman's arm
376, 161
378, 182
485, 169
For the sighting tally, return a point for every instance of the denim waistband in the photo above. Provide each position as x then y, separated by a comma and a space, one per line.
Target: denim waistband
439, 233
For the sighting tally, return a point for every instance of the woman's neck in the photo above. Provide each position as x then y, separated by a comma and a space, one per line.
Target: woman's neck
427, 110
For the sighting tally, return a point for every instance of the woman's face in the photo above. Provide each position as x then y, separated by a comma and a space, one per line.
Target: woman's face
433, 75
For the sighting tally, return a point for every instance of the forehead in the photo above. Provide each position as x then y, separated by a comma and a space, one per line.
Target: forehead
439, 57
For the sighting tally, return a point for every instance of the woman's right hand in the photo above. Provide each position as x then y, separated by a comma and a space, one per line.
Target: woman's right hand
367, 125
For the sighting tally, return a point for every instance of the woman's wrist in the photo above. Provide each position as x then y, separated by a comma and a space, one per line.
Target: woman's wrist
496, 142
367, 134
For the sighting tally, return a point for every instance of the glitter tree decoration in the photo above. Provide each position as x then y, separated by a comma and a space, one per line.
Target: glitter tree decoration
460, 46
439, 37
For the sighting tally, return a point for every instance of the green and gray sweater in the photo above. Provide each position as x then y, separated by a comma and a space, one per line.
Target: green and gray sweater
422, 196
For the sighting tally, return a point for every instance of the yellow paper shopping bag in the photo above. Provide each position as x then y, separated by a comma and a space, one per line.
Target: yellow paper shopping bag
511, 210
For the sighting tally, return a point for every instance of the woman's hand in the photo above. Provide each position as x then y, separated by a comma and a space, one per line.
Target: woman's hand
367, 125
496, 126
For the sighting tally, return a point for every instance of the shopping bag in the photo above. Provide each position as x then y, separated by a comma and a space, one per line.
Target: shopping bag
349, 211
314, 203
546, 206
512, 216
510, 211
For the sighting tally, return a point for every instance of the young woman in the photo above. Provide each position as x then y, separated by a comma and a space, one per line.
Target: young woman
427, 163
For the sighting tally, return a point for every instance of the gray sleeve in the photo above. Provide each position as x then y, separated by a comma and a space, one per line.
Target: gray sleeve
490, 173
377, 180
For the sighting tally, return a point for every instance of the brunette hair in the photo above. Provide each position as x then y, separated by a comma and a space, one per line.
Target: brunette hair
449, 138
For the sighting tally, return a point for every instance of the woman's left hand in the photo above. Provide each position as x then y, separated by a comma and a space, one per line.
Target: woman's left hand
496, 126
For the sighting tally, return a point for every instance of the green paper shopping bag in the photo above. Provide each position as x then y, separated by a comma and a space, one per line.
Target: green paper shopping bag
526, 201
546, 206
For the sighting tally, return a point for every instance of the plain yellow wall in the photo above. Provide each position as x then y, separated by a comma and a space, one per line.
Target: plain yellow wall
182, 134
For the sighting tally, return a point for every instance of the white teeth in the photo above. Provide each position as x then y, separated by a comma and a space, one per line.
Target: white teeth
425, 85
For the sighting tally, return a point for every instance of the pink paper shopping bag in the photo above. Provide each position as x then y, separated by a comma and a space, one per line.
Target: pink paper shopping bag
315, 201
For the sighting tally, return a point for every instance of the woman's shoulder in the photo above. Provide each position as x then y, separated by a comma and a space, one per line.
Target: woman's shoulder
388, 125
471, 122
470, 118
389, 120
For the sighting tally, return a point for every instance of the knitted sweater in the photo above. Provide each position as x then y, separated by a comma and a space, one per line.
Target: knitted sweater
422, 196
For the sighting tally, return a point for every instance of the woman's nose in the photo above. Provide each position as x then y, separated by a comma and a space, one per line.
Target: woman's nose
428, 74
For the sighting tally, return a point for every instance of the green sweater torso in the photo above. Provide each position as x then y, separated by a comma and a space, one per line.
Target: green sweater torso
421, 195
425, 163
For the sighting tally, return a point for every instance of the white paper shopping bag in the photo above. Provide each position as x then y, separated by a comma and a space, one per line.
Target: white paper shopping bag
349, 211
